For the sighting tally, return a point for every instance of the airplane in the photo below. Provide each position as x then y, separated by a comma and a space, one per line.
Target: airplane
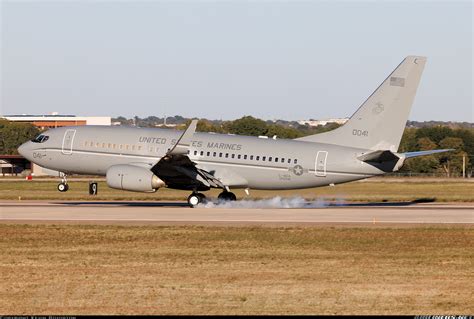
147, 159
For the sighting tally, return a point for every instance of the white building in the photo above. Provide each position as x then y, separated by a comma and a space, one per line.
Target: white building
323, 122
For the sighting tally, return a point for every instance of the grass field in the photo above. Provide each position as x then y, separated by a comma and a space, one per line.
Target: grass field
368, 190
77, 269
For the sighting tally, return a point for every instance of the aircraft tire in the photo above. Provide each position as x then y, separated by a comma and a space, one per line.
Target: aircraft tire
227, 196
195, 199
62, 187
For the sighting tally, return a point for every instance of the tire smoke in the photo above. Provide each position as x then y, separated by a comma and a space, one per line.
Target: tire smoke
275, 202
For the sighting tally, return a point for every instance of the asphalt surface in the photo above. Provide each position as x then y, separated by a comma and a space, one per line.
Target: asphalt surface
177, 213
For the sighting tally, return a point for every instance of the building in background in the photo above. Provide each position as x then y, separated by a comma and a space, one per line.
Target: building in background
57, 120
339, 121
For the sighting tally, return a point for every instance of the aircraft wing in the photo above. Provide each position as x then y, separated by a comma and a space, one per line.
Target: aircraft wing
178, 171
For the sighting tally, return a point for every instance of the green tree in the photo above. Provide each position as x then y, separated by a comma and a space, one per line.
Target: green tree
12, 135
452, 161
409, 141
248, 125
283, 131
424, 164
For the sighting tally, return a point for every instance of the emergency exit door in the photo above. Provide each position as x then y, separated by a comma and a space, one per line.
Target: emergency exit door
68, 141
320, 164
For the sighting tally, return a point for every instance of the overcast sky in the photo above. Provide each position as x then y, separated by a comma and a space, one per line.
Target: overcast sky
225, 59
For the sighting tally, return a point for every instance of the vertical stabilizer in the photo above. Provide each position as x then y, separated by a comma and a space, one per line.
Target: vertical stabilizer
379, 122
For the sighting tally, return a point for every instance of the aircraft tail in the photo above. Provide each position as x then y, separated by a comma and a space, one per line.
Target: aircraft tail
379, 122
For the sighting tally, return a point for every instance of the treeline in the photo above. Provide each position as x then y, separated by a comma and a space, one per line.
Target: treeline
249, 125
439, 137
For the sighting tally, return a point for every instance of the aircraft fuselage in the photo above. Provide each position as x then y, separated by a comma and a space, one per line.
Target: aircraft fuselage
238, 161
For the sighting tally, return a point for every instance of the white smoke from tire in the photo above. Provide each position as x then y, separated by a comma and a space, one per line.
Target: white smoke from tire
275, 202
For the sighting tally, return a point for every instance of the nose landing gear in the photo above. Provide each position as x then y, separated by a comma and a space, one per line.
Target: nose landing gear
63, 186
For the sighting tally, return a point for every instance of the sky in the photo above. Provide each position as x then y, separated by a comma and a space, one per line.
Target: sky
226, 59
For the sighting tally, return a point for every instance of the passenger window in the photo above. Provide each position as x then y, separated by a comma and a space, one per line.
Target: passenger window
202, 153
133, 147
245, 157
126, 146
296, 161
195, 152
264, 158
109, 145
220, 154
276, 159
214, 154
251, 157
282, 160
258, 158
289, 161
97, 144
139, 147
103, 145
269, 158
238, 156
233, 155
113, 146
226, 155
208, 153
121, 146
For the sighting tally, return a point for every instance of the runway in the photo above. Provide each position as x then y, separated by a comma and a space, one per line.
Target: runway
177, 213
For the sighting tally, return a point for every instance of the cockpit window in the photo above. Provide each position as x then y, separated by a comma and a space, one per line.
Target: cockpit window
40, 139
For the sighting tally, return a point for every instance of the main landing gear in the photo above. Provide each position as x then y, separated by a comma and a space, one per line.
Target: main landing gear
63, 186
196, 198
227, 196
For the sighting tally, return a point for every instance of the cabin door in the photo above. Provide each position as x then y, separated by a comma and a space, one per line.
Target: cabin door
68, 141
320, 164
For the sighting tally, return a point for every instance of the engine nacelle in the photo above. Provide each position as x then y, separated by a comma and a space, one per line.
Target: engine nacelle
133, 178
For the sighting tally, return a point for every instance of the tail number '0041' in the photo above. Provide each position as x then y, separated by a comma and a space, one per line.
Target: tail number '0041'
360, 133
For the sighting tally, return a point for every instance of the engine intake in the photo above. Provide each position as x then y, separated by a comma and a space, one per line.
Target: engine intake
133, 178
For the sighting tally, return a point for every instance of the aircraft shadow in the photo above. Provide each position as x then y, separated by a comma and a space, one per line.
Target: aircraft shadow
128, 204
185, 204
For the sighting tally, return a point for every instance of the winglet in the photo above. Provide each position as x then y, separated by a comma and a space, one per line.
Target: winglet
182, 145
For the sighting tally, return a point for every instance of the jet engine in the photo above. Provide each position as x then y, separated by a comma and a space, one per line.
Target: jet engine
133, 178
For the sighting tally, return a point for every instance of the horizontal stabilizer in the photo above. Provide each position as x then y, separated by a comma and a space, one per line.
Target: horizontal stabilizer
423, 153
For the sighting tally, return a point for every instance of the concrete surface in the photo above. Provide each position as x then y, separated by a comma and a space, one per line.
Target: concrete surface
172, 213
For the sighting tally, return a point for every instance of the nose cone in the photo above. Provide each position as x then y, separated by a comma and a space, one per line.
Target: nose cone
24, 150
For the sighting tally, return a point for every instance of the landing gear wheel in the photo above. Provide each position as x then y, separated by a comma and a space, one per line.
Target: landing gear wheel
227, 196
195, 199
62, 187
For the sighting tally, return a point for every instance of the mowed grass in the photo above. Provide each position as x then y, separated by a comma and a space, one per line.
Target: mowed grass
80, 269
367, 191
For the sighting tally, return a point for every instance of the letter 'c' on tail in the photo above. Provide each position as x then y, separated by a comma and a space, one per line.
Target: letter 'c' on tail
379, 122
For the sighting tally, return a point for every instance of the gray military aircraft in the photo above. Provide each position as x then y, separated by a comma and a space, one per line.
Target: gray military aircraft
146, 159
